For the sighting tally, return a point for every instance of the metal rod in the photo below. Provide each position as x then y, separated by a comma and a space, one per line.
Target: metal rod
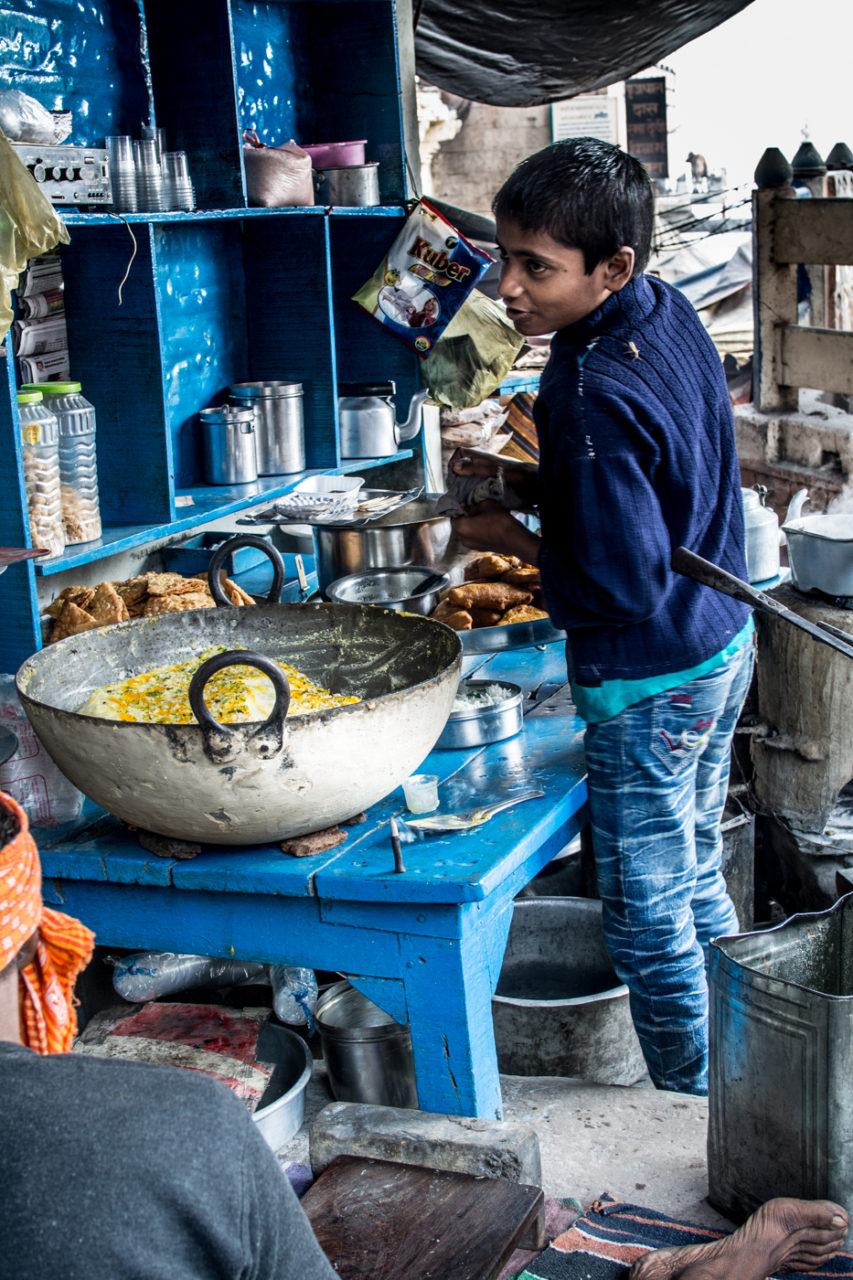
690, 565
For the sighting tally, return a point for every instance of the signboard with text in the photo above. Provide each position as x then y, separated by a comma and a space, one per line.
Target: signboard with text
645, 119
589, 115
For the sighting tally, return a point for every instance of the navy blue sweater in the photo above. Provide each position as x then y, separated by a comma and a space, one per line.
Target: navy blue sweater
637, 457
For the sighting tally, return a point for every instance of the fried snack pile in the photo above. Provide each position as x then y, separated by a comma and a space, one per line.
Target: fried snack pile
497, 591
236, 694
78, 609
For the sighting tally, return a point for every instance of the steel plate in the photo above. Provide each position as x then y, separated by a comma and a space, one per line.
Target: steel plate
516, 635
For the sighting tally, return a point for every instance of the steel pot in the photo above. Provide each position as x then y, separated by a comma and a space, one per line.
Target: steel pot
413, 534
247, 783
820, 553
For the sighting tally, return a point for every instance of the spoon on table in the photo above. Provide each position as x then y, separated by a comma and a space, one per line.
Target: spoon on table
467, 821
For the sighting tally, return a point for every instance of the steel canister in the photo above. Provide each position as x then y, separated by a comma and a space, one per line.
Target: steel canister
279, 430
228, 441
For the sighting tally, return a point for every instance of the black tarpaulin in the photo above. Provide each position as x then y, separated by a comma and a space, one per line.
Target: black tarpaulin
524, 53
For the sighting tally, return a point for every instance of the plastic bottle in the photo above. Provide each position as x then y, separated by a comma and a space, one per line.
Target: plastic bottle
148, 974
294, 994
78, 459
40, 449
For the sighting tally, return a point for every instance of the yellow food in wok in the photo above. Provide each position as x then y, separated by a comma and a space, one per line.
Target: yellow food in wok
239, 693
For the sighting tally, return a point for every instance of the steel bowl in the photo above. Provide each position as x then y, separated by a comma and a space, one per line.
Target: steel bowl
401, 589
480, 724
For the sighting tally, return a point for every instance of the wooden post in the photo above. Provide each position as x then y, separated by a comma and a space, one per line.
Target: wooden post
774, 302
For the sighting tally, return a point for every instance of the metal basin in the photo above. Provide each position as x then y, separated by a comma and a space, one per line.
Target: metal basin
247, 783
559, 1009
282, 1108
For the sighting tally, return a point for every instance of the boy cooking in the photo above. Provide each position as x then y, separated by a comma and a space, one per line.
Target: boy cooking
637, 457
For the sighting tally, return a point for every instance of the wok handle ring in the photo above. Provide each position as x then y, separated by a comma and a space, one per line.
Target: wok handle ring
269, 736
245, 540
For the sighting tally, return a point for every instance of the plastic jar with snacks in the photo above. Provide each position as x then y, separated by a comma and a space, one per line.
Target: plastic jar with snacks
40, 450
78, 460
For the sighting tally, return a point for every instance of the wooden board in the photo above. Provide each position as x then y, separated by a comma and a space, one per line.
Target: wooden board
377, 1219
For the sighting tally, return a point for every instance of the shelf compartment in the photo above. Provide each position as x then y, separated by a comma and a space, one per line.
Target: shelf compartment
116, 354
82, 58
367, 351
290, 321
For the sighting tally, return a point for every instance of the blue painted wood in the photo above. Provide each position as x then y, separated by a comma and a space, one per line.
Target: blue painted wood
82, 218
20, 633
290, 322
85, 59
201, 304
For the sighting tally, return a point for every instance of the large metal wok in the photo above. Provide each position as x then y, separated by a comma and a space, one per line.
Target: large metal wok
247, 783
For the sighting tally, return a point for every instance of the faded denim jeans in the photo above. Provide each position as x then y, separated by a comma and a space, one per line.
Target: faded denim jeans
658, 777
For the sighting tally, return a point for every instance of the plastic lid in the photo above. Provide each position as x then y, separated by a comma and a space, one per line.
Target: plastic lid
30, 397
60, 388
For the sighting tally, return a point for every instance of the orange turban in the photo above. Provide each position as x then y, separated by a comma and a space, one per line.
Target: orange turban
48, 1018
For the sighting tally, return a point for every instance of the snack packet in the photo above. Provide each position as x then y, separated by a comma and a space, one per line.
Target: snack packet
424, 278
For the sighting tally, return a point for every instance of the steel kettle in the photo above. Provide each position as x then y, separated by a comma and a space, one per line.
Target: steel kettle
763, 535
368, 419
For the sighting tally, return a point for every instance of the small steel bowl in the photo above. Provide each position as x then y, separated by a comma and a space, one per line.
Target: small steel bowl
480, 724
399, 589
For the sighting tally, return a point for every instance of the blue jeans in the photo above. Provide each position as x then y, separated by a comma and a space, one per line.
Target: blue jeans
658, 777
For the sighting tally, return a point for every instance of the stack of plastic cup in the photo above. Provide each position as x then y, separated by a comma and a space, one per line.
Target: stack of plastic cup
179, 188
122, 172
149, 176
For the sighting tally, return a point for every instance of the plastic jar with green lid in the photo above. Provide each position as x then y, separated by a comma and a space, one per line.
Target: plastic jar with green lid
40, 451
78, 459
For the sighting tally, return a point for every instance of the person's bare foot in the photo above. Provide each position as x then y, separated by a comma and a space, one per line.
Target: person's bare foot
782, 1235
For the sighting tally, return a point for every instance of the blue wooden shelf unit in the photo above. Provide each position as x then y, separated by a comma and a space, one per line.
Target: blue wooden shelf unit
227, 293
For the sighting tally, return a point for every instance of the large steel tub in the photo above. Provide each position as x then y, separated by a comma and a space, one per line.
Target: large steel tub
246, 783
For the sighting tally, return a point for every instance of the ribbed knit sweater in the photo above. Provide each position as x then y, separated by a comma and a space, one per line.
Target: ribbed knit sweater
637, 457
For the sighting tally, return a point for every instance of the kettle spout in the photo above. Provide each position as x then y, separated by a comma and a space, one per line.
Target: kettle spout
795, 506
409, 429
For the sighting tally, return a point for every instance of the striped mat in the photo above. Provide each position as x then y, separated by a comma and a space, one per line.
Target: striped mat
610, 1236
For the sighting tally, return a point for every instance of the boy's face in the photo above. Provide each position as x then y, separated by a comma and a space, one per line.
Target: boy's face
544, 284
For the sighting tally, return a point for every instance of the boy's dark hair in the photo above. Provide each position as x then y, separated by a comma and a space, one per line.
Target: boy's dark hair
585, 193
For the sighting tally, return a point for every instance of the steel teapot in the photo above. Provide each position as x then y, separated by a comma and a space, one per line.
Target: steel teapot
368, 419
763, 535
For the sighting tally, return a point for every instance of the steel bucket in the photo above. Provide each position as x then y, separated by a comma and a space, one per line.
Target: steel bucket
780, 1105
241, 784
368, 1055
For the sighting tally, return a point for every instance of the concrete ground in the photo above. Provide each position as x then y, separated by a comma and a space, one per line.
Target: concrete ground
640, 1145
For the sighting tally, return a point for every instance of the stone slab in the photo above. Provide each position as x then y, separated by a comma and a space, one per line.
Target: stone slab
483, 1148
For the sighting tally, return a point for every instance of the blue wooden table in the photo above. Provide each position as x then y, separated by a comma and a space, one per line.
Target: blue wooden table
425, 944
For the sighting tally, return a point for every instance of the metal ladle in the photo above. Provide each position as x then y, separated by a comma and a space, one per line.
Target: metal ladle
467, 821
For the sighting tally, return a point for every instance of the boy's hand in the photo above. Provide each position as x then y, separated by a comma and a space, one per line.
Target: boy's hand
490, 527
521, 476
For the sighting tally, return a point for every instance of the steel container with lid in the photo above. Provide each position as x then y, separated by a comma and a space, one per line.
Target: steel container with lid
40, 451
78, 459
228, 442
279, 429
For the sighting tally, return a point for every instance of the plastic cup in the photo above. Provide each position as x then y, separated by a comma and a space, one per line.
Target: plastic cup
421, 792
